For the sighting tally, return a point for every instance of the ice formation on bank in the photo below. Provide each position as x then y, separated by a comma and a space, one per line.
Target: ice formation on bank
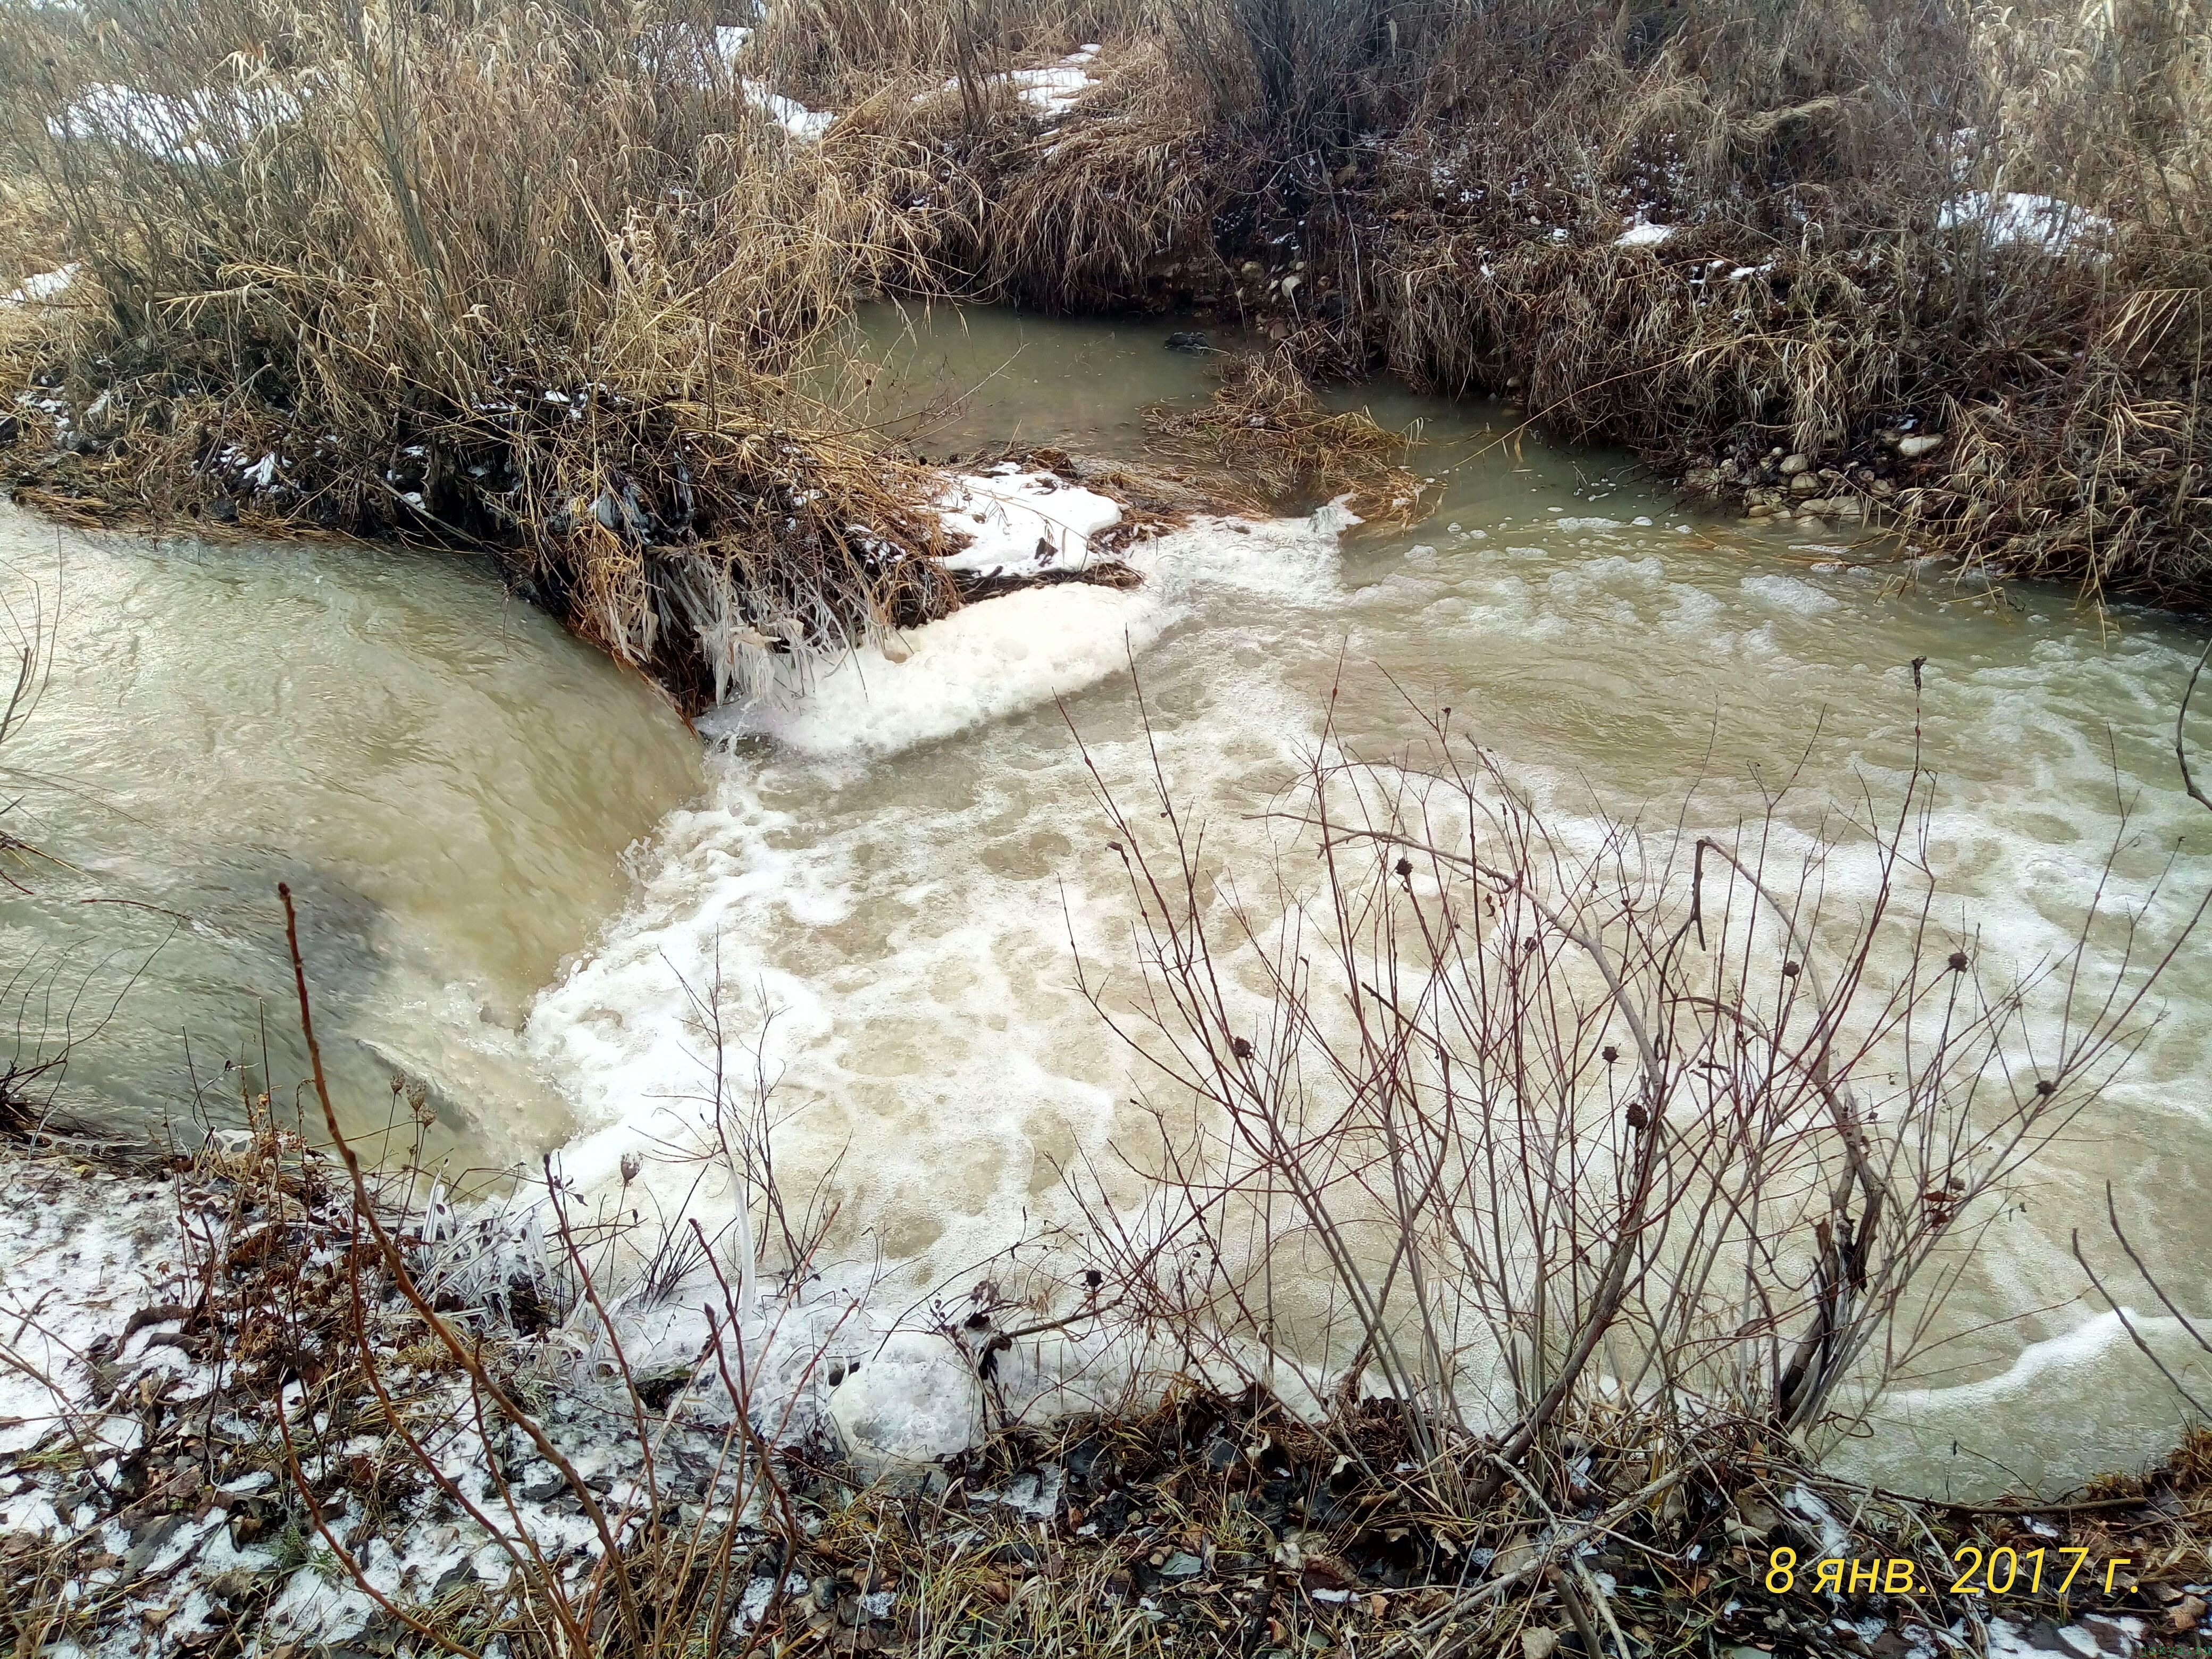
982, 663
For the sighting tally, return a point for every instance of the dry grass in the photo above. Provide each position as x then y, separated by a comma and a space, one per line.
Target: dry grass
511, 276
470, 209
1842, 262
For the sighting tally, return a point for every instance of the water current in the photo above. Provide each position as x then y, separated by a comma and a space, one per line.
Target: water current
523, 878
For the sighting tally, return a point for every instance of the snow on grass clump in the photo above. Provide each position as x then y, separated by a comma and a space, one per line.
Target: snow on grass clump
198, 127
794, 117
1023, 523
1643, 233
1052, 90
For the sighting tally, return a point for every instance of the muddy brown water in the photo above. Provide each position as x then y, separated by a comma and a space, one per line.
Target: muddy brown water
521, 873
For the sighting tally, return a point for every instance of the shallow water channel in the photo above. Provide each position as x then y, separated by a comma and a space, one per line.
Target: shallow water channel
523, 879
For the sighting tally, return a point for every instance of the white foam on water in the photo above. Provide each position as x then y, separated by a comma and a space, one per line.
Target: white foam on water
1790, 593
981, 663
906, 910
906, 903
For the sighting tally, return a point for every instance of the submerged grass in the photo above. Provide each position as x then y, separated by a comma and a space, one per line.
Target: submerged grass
1274, 442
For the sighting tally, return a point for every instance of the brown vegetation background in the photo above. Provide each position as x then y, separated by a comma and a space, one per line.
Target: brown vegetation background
536, 275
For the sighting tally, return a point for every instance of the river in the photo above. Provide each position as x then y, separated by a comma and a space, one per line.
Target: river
523, 878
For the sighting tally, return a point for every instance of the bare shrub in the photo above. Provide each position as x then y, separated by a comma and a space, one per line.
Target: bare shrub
1534, 1117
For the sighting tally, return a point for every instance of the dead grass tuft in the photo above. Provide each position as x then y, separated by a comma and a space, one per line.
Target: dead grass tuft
1271, 438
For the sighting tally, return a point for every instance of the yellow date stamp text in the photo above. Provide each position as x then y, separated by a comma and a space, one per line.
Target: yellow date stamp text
2003, 1572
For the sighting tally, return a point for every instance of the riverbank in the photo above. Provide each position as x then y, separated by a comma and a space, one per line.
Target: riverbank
1790, 264
229, 1425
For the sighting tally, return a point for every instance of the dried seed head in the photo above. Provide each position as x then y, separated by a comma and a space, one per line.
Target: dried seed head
2045, 1087
1239, 1048
1610, 1052
1791, 970
631, 1163
1405, 867
1957, 962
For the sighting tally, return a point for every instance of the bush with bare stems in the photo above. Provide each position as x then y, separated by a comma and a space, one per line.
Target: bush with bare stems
1515, 1119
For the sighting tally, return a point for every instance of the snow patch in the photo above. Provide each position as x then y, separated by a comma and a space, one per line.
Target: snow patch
1052, 90
76, 1257
203, 127
45, 287
794, 117
1643, 235
2015, 219
1023, 523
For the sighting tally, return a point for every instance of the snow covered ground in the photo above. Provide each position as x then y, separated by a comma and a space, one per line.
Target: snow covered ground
129, 1449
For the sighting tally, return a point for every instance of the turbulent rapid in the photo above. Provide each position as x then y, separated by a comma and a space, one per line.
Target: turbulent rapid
529, 888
